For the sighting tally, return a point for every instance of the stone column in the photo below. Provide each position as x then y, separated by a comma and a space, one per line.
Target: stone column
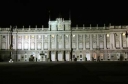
70, 41
121, 45
83, 41
16, 43
22, 42
105, 39
42, 46
98, 42
29, 43
77, 36
56, 42
63, 40
35, 42
7, 41
90, 41
49, 42
112, 41
1, 42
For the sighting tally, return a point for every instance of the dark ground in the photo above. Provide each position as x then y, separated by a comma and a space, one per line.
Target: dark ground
64, 72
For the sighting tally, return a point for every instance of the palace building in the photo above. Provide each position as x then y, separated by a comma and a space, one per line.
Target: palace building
61, 42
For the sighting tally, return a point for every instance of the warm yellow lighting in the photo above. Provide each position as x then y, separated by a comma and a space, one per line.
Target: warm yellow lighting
107, 35
26, 36
123, 34
32, 36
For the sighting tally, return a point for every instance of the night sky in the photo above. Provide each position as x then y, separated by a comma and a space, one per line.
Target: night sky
36, 12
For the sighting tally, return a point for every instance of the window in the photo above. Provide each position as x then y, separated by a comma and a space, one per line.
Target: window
32, 45
19, 37
73, 56
3, 36
80, 56
39, 46
39, 36
26, 37
19, 45
3, 45
26, 46
45, 45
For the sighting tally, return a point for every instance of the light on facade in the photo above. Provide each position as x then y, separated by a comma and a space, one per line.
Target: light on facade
123, 34
52, 36
26, 37
32, 36
39, 36
45, 35
107, 35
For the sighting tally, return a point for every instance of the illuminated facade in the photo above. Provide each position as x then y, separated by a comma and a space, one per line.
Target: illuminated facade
54, 43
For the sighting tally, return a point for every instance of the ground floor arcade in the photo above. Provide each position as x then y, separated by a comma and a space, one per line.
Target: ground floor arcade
65, 55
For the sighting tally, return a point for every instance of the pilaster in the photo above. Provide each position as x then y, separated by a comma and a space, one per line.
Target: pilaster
121, 45
36, 42
105, 45
77, 36
22, 42
90, 41
42, 48
29, 42
83, 41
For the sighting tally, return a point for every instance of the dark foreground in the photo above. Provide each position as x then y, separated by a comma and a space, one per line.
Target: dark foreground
64, 72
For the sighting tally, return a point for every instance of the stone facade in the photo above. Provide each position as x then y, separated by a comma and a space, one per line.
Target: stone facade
54, 43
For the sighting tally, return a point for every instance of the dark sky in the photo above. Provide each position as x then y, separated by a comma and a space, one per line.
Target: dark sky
35, 12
